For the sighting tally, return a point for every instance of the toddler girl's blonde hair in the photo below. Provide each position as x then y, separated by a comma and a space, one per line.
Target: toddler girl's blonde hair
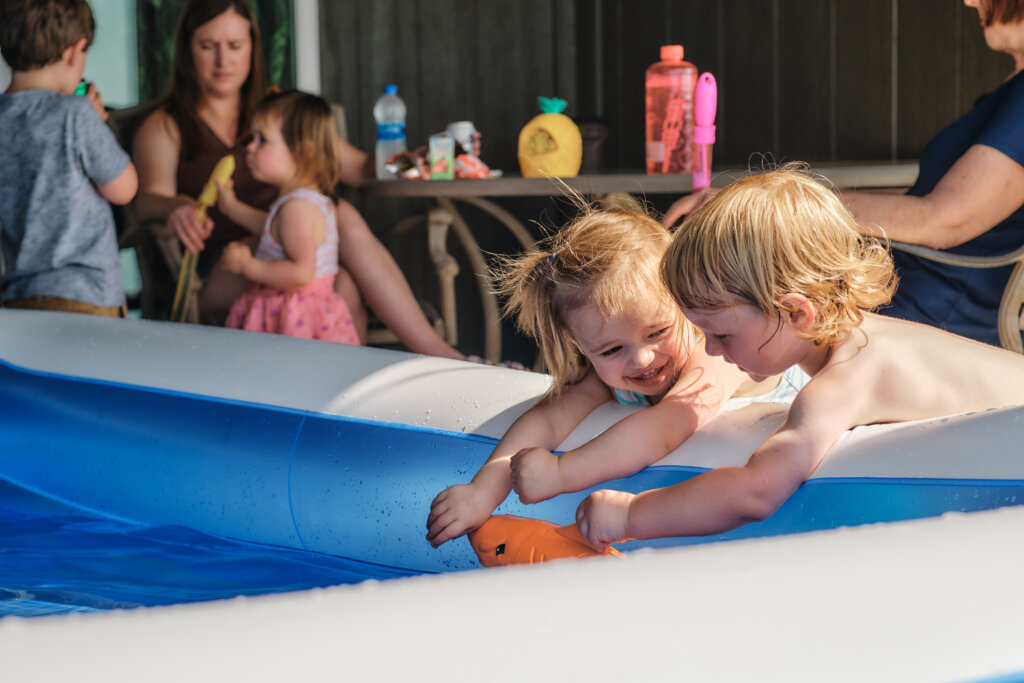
307, 126
606, 258
767, 235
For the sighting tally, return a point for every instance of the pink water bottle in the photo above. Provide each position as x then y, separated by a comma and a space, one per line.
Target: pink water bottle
670, 87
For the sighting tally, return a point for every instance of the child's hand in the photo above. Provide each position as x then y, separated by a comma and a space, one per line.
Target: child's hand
227, 200
97, 101
235, 257
535, 475
684, 206
190, 230
455, 511
602, 517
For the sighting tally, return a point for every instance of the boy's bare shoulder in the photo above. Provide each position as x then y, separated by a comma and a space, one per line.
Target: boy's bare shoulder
919, 371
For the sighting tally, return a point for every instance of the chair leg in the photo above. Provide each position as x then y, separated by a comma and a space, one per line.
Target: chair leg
1010, 318
438, 223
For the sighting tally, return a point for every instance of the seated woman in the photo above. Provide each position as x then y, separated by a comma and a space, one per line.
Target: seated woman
968, 198
218, 77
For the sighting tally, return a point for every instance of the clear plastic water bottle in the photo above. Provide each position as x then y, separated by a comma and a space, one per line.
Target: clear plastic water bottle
389, 111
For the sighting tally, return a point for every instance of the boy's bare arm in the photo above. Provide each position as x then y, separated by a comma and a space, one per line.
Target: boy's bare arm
725, 498
121, 189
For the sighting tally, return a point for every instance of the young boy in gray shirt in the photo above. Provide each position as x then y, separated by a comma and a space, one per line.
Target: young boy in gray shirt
60, 166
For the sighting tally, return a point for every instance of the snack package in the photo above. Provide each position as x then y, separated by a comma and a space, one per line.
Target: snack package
470, 166
408, 166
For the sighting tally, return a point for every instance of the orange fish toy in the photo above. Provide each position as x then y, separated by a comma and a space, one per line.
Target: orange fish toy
506, 539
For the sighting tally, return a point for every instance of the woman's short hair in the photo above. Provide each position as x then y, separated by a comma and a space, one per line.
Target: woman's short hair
607, 258
774, 233
182, 101
1002, 11
36, 34
307, 126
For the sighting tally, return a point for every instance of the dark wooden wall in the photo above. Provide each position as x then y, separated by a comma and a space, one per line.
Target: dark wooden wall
815, 80
810, 80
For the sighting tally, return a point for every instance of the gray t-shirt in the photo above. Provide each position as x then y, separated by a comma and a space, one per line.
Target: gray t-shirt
59, 237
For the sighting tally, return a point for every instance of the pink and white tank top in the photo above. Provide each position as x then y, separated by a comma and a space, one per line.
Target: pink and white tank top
326, 254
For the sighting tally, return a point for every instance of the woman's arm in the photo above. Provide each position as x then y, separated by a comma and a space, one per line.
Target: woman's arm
384, 287
635, 442
981, 189
464, 507
155, 151
356, 165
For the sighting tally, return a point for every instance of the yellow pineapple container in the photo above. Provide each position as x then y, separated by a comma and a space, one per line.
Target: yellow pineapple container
550, 145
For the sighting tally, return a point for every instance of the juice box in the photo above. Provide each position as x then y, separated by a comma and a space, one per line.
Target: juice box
442, 156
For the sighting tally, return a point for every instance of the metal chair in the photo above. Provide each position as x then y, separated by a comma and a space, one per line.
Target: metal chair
1011, 308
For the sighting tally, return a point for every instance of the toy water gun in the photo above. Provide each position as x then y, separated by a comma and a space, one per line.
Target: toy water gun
187, 273
506, 539
705, 106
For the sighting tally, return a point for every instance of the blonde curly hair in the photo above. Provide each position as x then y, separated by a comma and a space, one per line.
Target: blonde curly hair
607, 258
774, 233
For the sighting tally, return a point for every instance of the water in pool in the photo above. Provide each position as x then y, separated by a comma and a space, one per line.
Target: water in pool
54, 559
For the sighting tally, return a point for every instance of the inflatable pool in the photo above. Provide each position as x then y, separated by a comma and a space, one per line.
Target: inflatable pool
339, 450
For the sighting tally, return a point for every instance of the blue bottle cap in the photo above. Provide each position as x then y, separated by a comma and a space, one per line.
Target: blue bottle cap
390, 89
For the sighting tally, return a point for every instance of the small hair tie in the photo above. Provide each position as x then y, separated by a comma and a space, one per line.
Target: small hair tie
553, 255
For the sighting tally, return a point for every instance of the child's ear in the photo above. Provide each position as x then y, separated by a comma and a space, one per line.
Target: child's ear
74, 52
798, 311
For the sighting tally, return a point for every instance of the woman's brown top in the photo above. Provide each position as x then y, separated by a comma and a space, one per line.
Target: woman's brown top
192, 176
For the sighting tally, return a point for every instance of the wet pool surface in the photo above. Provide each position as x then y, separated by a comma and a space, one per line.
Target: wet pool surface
54, 559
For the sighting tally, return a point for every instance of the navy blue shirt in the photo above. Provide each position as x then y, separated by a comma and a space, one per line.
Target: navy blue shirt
966, 300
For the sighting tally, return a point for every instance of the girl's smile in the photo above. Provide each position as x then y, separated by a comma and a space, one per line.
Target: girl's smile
637, 351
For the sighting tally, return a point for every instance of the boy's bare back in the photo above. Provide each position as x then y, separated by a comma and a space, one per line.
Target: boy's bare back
892, 370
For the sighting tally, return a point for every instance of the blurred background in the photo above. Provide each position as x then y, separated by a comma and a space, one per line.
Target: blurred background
824, 81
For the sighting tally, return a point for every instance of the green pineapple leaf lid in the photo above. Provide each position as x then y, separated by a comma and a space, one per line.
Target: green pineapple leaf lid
551, 105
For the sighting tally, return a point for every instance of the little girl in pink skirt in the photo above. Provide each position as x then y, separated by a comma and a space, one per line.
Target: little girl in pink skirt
291, 276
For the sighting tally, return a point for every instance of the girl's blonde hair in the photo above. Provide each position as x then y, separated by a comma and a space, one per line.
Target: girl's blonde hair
605, 258
307, 126
767, 235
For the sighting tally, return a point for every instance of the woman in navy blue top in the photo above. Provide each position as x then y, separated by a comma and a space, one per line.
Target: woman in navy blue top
968, 199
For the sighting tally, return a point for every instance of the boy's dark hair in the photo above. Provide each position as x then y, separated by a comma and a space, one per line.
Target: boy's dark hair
35, 33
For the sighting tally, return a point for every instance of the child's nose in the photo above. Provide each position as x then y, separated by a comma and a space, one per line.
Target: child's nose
643, 356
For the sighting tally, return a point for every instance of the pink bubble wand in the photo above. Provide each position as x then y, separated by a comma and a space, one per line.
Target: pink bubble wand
705, 106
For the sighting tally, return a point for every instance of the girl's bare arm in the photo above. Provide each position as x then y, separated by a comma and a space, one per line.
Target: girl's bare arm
635, 442
301, 226
464, 507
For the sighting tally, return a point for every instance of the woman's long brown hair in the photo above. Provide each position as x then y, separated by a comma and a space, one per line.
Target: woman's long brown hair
182, 101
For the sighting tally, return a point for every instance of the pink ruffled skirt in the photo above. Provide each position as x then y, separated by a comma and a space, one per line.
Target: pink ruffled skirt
313, 311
